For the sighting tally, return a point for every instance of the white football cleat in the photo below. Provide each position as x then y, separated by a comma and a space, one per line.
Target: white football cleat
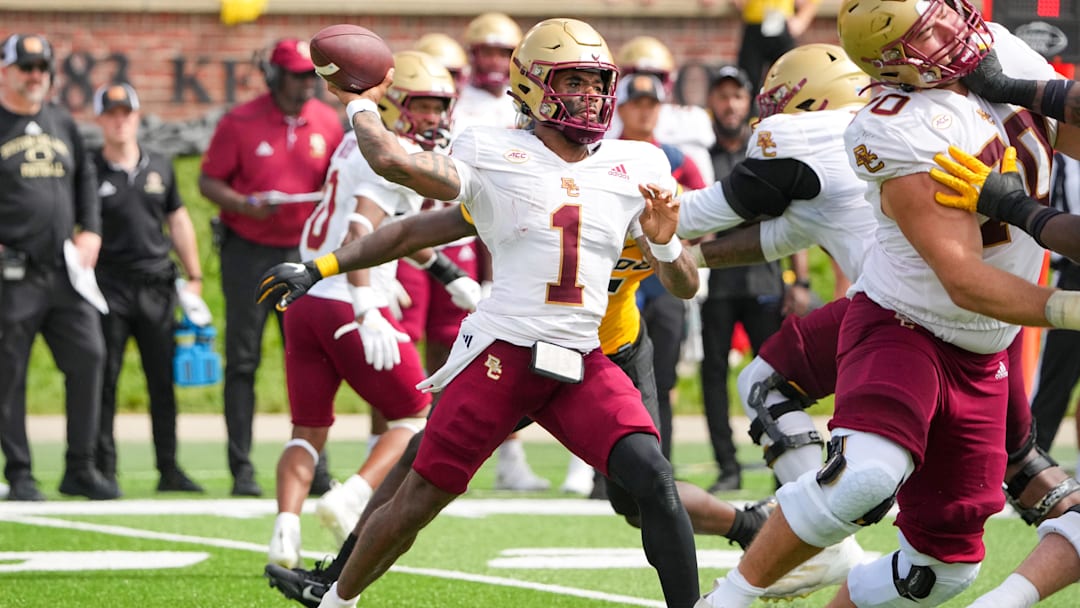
285, 543
579, 478
340, 508
830, 567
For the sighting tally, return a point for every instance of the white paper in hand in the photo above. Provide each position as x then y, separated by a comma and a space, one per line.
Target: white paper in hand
83, 279
194, 307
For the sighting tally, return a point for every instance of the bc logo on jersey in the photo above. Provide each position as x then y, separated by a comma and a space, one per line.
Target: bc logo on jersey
570, 187
865, 158
494, 367
766, 143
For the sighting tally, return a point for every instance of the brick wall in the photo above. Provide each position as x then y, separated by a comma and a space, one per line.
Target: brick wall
186, 65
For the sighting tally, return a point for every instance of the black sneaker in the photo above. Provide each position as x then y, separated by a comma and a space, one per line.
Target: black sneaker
726, 482
246, 485
175, 480
25, 489
89, 483
304, 586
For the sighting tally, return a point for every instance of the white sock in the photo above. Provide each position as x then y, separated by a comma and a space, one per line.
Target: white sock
358, 486
331, 599
1016, 592
733, 592
577, 466
287, 521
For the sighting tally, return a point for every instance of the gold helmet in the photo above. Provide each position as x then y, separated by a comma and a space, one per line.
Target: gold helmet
446, 51
646, 54
812, 77
551, 46
880, 37
490, 30
416, 75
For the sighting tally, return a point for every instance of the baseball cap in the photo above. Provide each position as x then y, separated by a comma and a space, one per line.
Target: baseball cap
731, 72
26, 49
639, 85
293, 55
115, 96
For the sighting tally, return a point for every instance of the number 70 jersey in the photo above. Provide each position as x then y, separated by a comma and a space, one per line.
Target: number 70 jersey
554, 229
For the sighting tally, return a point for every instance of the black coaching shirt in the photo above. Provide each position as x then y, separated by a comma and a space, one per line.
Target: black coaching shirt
47, 184
134, 209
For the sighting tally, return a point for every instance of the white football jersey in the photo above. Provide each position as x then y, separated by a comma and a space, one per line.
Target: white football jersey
476, 107
898, 134
348, 177
555, 229
838, 218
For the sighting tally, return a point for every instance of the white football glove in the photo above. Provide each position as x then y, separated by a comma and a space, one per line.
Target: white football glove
464, 292
398, 298
380, 340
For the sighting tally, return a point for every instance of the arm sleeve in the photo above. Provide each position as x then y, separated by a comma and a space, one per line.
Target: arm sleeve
755, 189
87, 203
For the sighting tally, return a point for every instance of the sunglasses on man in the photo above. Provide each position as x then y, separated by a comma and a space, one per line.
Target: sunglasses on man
40, 66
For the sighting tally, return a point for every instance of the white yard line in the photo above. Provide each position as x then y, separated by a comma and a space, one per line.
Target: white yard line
223, 543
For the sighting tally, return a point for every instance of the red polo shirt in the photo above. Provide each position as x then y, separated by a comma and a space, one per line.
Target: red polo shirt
257, 148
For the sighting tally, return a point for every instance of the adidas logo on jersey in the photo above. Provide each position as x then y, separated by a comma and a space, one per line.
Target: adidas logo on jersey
619, 171
264, 149
1002, 372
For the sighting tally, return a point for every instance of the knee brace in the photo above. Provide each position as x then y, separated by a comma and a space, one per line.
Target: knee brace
1067, 525
304, 444
1037, 461
906, 576
768, 400
414, 424
856, 488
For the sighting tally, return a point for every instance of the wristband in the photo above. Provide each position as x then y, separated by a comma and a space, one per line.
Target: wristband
1038, 221
1053, 100
444, 269
805, 284
195, 279
356, 106
327, 265
668, 252
1063, 309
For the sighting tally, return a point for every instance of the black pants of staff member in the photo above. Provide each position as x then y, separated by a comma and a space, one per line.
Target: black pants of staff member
758, 52
242, 264
144, 310
761, 318
1059, 369
665, 315
44, 301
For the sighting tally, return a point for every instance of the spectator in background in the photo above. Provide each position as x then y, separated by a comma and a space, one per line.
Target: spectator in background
280, 141
1059, 368
750, 295
770, 28
139, 198
682, 126
47, 188
639, 99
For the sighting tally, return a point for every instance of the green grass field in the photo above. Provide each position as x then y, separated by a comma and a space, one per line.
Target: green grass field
470, 556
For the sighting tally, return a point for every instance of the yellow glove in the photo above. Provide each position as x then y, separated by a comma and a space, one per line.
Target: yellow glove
966, 177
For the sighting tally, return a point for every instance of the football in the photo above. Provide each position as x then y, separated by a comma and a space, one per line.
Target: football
352, 57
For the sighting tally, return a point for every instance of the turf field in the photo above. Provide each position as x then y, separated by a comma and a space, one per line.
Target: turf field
488, 549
